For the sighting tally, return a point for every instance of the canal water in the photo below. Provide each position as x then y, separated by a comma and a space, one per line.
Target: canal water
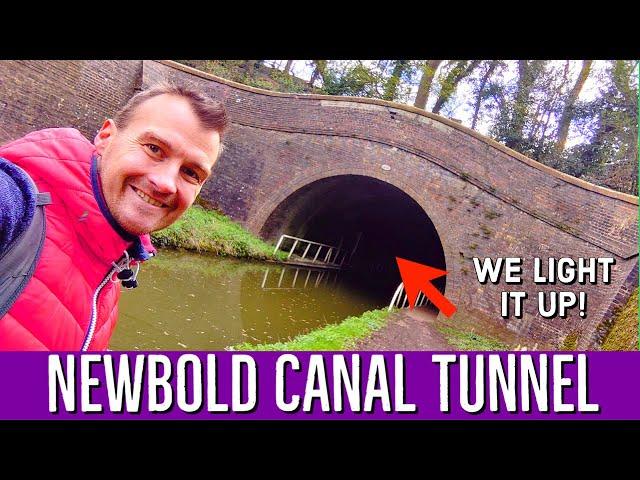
200, 302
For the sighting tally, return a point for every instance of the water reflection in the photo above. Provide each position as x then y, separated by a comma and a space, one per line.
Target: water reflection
198, 302
317, 276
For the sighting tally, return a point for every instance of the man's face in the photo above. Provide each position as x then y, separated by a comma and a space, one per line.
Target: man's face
152, 170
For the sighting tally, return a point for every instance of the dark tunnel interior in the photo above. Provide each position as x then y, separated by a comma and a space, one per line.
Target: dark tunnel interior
376, 218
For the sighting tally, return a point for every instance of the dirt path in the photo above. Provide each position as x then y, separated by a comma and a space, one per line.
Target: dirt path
421, 329
407, 330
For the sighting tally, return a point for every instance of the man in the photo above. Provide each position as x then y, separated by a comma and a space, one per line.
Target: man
143, 170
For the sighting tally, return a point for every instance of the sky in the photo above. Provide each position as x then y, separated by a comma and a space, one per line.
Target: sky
461, 108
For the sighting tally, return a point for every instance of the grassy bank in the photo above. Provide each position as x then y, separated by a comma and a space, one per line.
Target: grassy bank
466, 340
340, 336
209, 231
624, 333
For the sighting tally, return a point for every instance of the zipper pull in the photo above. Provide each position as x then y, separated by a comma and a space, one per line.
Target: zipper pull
129, 284
125, 275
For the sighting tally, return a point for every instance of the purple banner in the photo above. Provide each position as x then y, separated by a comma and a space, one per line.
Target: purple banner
321, 386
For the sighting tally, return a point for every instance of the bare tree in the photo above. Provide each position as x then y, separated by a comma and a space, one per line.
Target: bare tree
481, 89
567, 113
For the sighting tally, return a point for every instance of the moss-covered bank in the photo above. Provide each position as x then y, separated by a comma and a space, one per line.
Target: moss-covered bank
209, 231
340, 336
624, 332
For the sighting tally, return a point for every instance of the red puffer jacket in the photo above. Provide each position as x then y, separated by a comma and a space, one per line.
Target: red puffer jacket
70, 303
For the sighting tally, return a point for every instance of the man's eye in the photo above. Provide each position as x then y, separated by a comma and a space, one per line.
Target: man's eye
192, 173
153, 148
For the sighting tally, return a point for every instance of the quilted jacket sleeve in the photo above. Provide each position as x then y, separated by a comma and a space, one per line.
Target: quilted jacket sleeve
17, 203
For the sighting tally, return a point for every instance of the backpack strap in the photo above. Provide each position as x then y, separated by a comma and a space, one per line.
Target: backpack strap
18, 262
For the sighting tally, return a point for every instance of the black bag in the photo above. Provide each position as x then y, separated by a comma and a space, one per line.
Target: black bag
18, 262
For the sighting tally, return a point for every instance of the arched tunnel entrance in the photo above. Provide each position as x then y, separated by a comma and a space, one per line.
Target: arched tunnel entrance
370, 218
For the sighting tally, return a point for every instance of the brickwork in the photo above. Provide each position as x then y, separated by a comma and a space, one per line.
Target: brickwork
59, 93
483, 199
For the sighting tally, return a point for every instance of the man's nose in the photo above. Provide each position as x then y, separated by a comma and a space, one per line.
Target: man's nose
163, 178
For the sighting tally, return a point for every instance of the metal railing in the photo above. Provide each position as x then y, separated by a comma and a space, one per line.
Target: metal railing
400, 300
332, 255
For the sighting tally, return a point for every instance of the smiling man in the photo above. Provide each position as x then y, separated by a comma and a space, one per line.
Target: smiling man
60, 276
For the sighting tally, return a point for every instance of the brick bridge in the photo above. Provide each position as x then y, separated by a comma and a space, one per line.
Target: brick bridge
416, 185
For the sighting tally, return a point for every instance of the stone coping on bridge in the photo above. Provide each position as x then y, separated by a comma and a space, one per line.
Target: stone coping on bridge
632, 199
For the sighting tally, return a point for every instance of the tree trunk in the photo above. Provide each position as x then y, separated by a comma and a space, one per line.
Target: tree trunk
429, 70
462, 70
251, 68
287, 67
321, 65
391, 86
527, 73
483, 84
567, 113
622, 71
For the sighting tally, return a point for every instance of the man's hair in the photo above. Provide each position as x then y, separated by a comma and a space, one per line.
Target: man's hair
210, 112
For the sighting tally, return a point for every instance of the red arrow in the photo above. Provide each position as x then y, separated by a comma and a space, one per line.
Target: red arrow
417, 277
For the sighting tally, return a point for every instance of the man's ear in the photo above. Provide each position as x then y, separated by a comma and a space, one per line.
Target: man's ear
104, 136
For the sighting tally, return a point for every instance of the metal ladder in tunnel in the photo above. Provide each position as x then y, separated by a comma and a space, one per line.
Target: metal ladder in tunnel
333, 257
400, 300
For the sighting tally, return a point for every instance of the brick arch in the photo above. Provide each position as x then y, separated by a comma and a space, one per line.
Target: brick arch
485, 199
304, 204
283, 195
